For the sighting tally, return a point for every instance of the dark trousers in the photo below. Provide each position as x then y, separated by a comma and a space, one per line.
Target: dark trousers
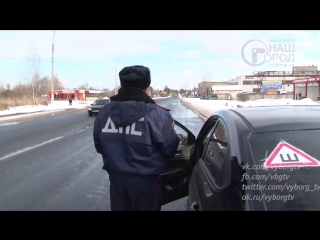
136, 199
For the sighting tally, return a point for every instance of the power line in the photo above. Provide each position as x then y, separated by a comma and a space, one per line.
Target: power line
24, 46
9, 58
80, 66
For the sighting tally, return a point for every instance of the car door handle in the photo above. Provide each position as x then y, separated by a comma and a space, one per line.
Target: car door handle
194, 206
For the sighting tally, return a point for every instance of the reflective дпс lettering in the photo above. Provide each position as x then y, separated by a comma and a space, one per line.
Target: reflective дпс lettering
111, 128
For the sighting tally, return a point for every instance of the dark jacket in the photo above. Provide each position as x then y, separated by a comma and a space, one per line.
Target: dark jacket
134, 136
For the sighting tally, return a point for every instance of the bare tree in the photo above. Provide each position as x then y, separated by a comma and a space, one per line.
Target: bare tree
208, 90
206, 76
1, 89
33, 74
182, 91
20, 90
84, 86
58, 85
186, 84
151, 91
107, 92
44, 85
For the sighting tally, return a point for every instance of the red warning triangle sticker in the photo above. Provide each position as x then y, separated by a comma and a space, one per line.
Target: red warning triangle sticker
286, 155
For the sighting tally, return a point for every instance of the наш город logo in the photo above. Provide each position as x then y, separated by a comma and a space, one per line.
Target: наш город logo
255, 52
250, 51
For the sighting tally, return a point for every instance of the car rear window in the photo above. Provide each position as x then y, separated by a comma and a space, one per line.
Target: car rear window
285, 174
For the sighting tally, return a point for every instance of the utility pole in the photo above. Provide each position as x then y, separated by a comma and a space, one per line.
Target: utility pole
52, 96
115, 77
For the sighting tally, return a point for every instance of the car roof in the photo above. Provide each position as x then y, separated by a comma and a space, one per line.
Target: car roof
277, 118
102, 100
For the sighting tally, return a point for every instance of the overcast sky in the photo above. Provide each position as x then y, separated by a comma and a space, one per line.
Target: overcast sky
177, 59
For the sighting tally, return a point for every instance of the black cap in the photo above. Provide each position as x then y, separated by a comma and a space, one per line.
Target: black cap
135, 76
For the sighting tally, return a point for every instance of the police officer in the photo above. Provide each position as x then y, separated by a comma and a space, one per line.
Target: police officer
134, 136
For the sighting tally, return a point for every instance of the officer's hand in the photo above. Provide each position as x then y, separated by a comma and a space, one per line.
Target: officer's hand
173, 127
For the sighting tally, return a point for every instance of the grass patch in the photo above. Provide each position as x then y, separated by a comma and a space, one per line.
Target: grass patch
6, 103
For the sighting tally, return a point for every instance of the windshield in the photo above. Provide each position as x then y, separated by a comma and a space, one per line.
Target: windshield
287, 169
101, 102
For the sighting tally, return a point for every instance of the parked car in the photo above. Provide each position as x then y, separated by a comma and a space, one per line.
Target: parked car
97, 105
210, 97
258, 158
214, 97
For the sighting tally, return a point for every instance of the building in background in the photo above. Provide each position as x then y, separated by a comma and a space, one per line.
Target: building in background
304, 79
77, 94
307, 87
273, 82
225, 92
205, 87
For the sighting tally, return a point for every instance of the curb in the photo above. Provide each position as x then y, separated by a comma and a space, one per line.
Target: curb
196, 111
36, 114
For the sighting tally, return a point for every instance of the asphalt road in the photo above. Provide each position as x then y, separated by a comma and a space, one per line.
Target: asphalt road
50, 163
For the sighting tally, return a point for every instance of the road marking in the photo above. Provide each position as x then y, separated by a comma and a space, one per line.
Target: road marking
28, 148
8, 124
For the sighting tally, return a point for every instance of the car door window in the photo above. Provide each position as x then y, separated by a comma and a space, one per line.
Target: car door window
216, 149
182, 134
206, 136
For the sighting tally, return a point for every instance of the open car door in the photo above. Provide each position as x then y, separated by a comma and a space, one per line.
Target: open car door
175, 179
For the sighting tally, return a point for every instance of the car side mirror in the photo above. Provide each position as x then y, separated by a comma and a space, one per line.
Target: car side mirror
91, 104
